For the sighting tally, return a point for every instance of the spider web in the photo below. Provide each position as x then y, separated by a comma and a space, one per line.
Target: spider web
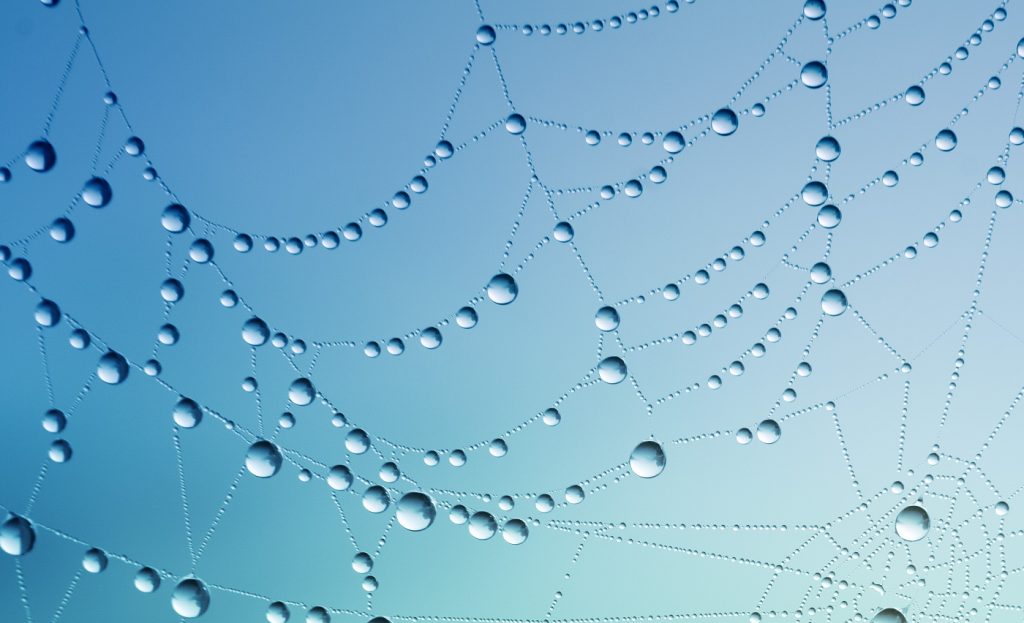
788, 395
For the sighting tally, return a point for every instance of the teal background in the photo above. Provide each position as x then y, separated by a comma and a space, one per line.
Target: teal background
287, 119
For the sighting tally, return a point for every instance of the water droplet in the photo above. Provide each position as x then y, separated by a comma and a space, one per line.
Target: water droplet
515, 124
186, 413
829, 216
485, 35
17, 536
147, 580
515, 531
914, 95
814, 9
62, 230
301, 392
607, 318
255, 332
47, 313
912, 523
263, 459
1002, 508
94, 561
278, 612
482, 525
889, 615
466, 317
743, 436
814, 193
612, 370
97, 192
190, 598
112, 368
339, 478
40, 156
945, 140
673, 142
827, 149
814, 75
375, 499
502, 289
563, 232
175, 218
357, 441
768, 431
724, 122
415, 511
821, 273
833, 302
430, 338
647, 460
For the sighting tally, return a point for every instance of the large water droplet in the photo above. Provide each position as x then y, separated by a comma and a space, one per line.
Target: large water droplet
97, 192
482, 525
375, 499
278, 612
724, 122
914, 95
263, 459
912, 523
945, 140
112, 368
515, 531
415, 511
187, 414
147, 580
17, 536
190, 598
612, 370
889, 615
833, 302
255, 332
647, 459
814, 9
827, 149
502, 289
40, 156
175, 218
673, 142
301, 392
814, 75
607, 318
768, 431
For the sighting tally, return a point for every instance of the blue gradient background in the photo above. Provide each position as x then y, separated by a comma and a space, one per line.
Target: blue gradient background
285, 119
